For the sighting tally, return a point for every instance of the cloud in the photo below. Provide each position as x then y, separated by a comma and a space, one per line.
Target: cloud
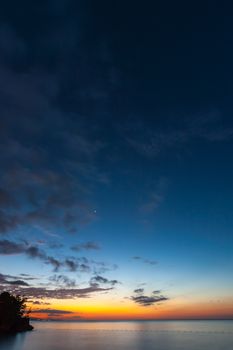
151, 143
49, 149
86, 246
154, 196
6, 200
54, 262
145, 261
153, 202
18, 283
47, 198
101, 267
156, 292
10, 248
54, 314
57, 293
8, 222
51, 311
55, 245
34, 252
63, 280
71, 264
27, 276
37, 302
139, 290
145, 300
102, 280
14, 280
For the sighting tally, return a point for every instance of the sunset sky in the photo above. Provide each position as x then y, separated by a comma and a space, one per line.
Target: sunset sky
116, 145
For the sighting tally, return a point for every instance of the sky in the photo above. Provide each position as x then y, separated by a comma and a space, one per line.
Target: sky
116, 143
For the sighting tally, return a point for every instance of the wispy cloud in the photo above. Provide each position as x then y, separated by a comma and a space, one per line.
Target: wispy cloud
51, 312
90, 245
49, 149
145, 261
54, 314
154, 196
151, 143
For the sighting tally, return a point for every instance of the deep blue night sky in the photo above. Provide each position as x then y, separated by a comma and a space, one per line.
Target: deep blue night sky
116, 141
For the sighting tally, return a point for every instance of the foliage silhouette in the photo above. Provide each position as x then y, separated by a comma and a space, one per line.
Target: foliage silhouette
13, 314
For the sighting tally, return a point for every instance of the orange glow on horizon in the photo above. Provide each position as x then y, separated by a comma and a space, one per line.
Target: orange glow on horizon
130, 311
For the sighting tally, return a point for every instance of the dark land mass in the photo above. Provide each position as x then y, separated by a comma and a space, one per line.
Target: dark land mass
13, 315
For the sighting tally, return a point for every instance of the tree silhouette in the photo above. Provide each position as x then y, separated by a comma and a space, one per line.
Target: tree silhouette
13, 314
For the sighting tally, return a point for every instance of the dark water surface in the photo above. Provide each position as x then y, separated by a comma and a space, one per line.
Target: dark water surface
159, 335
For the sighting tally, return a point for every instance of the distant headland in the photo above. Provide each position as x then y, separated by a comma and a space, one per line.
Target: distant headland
13, 315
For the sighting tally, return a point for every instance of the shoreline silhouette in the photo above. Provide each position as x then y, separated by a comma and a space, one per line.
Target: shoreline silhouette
13, 315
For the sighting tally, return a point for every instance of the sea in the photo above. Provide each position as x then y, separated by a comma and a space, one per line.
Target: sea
133, 335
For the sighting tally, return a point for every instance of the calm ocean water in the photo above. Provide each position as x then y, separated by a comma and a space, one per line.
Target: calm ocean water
158, 335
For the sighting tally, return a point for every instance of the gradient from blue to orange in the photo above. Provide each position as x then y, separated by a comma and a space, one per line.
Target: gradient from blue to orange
116, 159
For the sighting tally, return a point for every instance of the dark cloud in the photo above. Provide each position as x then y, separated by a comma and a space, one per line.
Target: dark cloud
55, 314
12, 280
102, 280
49, 149
78, 264
153, 202
37, 302
18, 283
145, 261
62, 280
6, 200
51, 312
55, 245
57, 293
145, 300
10, 248
34, 252
152, 142
86, 246
101, 267
54, 262
8, 222
71, 264
154, 196
45, 197
28, 277
156, 292
139, 290
84, 267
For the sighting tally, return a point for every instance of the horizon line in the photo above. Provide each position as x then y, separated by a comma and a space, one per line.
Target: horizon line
131, 320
